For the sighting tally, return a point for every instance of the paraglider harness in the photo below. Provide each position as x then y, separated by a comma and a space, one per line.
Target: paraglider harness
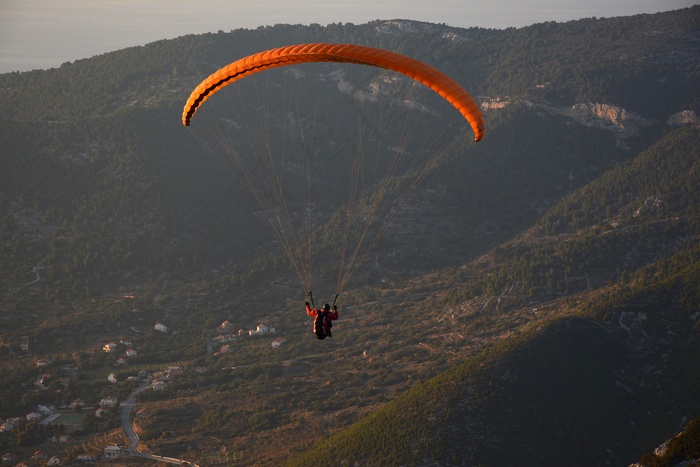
321, 318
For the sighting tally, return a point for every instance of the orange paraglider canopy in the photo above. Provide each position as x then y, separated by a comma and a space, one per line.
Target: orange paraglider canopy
348, 53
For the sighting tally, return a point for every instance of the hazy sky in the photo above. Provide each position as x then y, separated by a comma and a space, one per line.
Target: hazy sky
46, 33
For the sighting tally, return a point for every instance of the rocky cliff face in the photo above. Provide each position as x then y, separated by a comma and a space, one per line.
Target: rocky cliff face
624, 123
685, 117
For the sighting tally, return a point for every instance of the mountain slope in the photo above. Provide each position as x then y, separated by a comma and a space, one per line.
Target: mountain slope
586, 384
536, 297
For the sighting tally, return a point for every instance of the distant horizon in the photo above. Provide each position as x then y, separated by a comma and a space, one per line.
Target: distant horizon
41, 34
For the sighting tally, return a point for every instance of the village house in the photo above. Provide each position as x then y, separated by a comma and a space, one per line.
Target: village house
130, 352
9, 457
44, 410
24, 343
54, 460
34, 416
260, 329
121, 361
77, 404
5, 427
276, 344
109, 401
112, 452
42, 362
112, 378
110, 347
158, 385
226, 325
40, 455
161, 327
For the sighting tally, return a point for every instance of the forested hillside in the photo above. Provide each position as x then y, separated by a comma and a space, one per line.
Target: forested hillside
606, 350
534, 301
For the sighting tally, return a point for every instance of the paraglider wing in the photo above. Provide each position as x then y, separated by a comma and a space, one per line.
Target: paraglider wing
348, 53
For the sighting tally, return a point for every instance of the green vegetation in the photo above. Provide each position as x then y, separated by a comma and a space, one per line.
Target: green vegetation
536, 303
685, 446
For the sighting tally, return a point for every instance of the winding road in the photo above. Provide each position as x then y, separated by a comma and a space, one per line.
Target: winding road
133, 449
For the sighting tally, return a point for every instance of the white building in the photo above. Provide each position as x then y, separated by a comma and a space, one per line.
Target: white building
161, 327
5, 427
34, 416
109, 401
24, 343
158, 385
112, 452
261, 329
